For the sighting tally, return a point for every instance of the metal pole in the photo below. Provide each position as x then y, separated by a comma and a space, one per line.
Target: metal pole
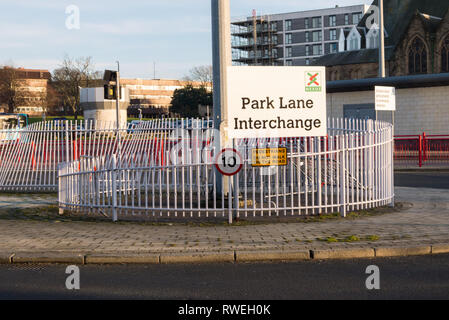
117, 105
221, 56
382, 73
117, 111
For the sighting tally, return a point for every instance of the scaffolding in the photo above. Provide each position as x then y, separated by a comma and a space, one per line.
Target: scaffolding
254, 41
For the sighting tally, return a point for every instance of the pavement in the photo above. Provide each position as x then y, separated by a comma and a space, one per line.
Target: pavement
421, 227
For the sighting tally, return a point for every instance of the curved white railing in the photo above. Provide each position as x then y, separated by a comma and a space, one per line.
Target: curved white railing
29, 157
169, 171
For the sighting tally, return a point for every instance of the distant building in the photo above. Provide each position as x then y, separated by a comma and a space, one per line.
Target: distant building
291, 39
30, 86
416, 42
139, 96
153, 97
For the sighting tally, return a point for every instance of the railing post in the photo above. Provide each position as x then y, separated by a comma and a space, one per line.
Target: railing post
67, 152
343, 176
392, 149
424, 142
420, 151
62, 186
114, 188
230, 211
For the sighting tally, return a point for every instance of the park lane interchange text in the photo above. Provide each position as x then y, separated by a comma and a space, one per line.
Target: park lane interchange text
277, 123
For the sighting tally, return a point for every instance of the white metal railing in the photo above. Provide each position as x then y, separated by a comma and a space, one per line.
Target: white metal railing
170, 173
29, 157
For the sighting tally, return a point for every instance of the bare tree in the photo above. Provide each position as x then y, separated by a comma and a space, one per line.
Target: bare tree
10, 93
203, 74
69, 77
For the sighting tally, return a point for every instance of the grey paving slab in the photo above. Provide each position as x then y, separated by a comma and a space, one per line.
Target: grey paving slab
425, 222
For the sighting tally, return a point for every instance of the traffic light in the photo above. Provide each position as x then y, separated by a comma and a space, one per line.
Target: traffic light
110, 89
110, 92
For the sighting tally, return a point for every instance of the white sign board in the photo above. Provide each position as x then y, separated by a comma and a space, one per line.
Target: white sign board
385, 98
276, 102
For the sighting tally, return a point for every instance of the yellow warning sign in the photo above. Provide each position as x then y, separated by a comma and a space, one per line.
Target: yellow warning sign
269, 157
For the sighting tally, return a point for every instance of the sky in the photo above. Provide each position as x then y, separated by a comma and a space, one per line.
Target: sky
173, 34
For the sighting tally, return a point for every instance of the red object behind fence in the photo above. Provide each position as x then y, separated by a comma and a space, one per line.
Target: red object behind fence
429, 150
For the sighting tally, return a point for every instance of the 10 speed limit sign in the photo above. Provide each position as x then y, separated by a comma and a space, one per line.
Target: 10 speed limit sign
229, 162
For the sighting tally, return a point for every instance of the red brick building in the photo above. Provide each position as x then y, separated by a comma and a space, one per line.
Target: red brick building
24, 90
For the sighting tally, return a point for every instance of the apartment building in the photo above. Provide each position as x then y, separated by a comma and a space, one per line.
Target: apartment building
291, 39
153, 96
29, 90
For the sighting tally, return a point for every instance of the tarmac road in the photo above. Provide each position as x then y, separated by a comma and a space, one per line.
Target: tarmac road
424, 277
434, 180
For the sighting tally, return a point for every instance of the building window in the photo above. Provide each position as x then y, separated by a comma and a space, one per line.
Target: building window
266, 53
307, 50
346, 19
289, 63
316, 22
333, 34
289, 52
373, 40
307, 62
316, 36
333, 48
306, 23
356, 17
445, 55
288, 25
288, 38
417, 57
332, 21
353, 43
307, 36
317, 50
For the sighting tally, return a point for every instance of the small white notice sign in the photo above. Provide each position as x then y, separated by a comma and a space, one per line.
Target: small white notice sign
276, 102
385, 98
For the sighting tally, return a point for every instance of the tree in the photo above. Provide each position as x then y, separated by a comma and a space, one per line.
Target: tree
203, 74
10, 93
185, 101
70, 77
